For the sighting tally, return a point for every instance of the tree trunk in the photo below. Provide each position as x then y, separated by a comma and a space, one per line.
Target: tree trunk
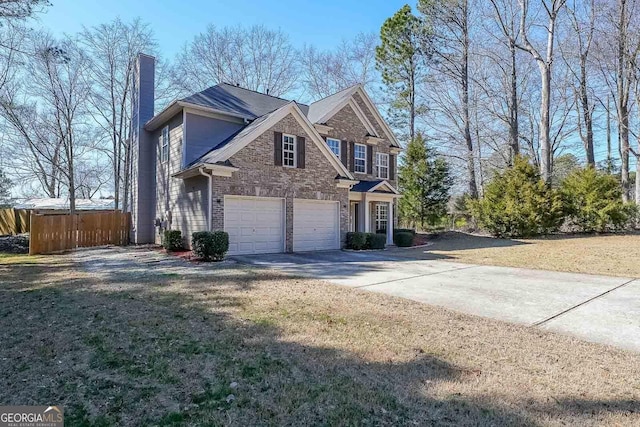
586, 114
623, 126
609, 159
514, 132
623, 96
545, 107
471, 170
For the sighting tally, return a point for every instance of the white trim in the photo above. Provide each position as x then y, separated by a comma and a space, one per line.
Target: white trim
293, 151
213, 115
364, 172
376, 113
363, 118
348, 98
322, 129
383, 183
378, 166
183, 161
346, 183
174, 108
164, 160
215, 170
339, 146
291, 108
373, 140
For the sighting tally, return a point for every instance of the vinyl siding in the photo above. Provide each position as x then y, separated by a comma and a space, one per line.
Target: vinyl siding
181, 203
203, 133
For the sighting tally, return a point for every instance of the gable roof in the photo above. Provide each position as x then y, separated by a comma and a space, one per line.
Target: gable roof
227, 148
237, 100
324, 109
320, 109
371, 186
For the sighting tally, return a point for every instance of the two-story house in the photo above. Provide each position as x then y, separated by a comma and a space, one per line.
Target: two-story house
277, 175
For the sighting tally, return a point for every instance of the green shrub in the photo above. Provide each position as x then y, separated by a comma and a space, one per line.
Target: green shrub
404, 239
404, 230
360, 241
376, 240
517, 203
210, 245
593, 202
357, 240
172, 240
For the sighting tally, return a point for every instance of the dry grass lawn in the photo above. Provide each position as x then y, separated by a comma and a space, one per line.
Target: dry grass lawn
230, 345
613, 255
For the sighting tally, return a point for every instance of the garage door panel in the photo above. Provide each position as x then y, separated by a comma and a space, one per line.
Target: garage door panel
315, 225
255, 225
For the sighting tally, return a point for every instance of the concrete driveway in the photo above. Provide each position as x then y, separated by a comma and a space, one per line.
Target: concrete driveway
596, 308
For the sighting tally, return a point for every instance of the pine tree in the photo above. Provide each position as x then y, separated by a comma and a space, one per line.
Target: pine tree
400, 60
425, 182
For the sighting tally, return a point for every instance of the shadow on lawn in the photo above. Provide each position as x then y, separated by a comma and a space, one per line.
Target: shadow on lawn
130, 349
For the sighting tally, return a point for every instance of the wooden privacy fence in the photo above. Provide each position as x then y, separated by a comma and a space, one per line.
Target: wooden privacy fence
14, 221
56, 233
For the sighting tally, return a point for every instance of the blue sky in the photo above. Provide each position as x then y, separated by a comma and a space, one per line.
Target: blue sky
322, 23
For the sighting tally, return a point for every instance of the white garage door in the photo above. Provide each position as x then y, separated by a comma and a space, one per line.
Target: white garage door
315, 225
255, 224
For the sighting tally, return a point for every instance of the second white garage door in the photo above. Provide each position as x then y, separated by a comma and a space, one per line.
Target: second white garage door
255, 224
316, 225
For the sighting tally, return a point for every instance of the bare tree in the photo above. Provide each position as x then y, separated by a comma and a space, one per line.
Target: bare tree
256, 58
551, 9
351, 62
575, 53
450, 21
506, 17
21, 9
112, 50
47, 111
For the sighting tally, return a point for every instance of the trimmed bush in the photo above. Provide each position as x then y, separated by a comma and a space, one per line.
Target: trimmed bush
593, 202
210, 246
518, 203
404, 239
404, 230
360, 241
376, 241
172, 240
357, 240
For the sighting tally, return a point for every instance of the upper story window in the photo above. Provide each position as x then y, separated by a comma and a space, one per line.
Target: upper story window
360, 158
382, 165
334, 145
164, 145
289, 151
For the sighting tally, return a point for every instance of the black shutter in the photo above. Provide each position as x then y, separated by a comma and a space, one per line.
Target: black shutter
300, 151
369, 159
352, 155
277, 148
343, 152
392, 167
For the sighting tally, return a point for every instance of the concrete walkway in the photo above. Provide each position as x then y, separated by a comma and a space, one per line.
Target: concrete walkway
596, 308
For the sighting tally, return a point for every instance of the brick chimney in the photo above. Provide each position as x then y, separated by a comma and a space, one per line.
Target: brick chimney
143, 192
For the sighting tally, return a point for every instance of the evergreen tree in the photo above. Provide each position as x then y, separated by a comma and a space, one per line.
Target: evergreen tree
425, 182
5, 190
400, 60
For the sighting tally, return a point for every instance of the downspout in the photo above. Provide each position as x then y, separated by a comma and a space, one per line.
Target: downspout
201, 171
